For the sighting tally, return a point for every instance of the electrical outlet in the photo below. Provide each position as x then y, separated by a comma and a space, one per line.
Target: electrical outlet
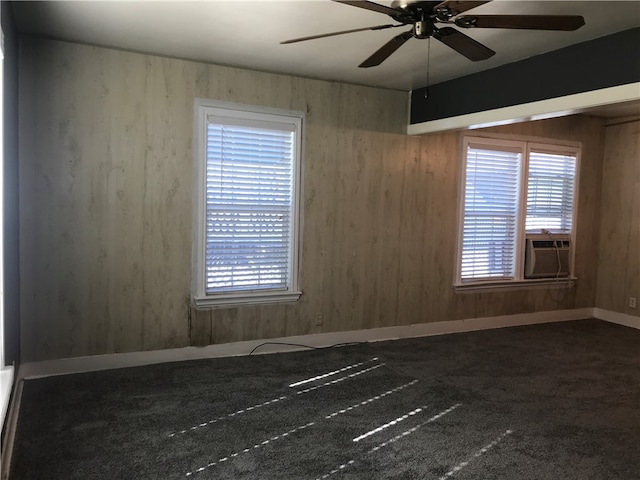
632, 302
319, 319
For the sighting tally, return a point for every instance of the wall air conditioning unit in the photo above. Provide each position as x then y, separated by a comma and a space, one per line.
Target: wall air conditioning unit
547, 256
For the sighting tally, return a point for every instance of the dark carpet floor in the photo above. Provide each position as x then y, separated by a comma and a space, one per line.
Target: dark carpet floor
554, 401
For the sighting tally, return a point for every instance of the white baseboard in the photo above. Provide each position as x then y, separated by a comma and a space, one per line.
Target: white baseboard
134, 359
616, 317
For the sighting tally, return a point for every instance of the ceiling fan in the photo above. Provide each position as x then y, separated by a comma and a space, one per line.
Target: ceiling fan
424, 15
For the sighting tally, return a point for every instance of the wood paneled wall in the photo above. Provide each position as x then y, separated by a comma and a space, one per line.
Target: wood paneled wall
106, 192
619, 261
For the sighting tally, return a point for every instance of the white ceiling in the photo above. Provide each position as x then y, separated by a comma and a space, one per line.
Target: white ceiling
248, 34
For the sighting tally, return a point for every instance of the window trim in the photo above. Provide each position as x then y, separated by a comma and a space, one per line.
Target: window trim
528, 144
199, 298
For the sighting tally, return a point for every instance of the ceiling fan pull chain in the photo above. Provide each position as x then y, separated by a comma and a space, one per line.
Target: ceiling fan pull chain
426, 90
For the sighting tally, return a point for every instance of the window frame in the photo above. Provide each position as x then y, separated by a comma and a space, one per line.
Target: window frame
526, 145
203, 109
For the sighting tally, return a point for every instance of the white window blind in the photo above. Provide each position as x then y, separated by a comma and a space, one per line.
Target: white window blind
550, 191
247, 210
490, 214
249, 207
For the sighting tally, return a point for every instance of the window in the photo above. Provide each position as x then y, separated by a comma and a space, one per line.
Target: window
512, 190
247, 205
550, 190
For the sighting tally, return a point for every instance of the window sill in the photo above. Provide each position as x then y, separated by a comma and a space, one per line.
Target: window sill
246, 299
473, 287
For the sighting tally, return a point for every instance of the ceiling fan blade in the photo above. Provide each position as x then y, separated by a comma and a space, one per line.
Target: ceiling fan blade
323, 35
463, 44
375, 7
533, 22
386, 50
456, 7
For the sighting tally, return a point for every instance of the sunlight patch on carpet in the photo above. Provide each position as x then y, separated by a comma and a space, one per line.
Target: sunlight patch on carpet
249, 449
341, 379
229, 415
480, 452
392, 440
414, 429
389, 424
370, 400
335, 372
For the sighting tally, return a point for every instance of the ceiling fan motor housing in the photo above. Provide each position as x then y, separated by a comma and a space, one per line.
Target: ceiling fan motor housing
423, 29
414, 10
421, 13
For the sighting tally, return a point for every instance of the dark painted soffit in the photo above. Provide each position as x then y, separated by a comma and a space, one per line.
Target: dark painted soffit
601, 63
